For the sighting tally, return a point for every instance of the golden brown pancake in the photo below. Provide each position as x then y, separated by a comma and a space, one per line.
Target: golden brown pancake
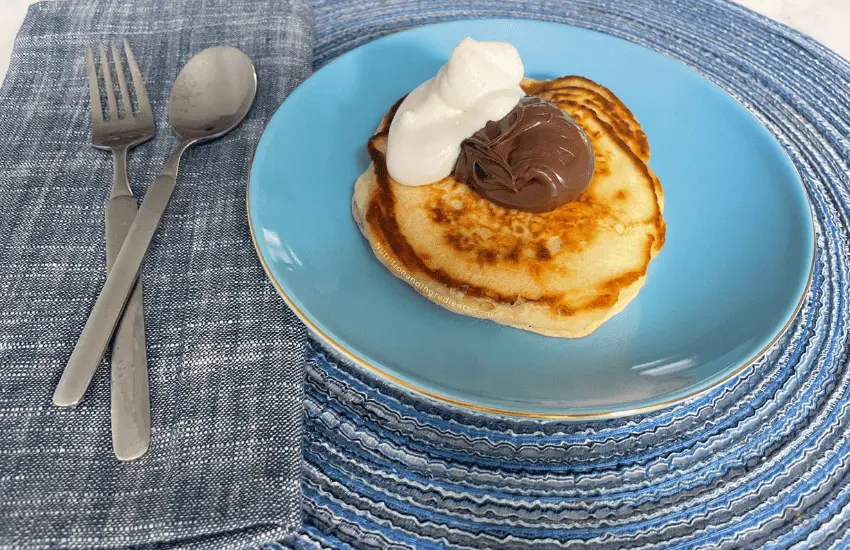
559, 273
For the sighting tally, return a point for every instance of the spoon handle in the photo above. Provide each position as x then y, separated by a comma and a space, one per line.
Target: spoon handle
113, 297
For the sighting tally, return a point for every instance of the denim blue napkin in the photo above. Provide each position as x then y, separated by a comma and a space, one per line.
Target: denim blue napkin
226, 355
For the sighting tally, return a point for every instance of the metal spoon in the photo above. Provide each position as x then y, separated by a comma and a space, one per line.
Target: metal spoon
212, 94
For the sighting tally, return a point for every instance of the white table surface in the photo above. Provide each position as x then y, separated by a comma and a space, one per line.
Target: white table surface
828, 21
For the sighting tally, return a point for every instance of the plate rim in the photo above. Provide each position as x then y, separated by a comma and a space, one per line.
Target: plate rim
445, 400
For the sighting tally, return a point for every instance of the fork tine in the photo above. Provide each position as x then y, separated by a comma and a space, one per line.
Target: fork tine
122, 81
107, 81
142, 101
94, 90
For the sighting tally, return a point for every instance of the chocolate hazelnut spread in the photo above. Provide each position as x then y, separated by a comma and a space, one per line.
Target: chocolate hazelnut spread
535, 159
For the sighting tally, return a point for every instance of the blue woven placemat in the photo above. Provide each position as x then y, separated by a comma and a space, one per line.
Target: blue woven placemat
760, 462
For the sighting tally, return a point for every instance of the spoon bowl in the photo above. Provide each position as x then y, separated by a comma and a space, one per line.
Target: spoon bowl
212, 93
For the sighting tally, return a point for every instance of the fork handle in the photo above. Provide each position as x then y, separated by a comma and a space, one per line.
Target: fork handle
131, 413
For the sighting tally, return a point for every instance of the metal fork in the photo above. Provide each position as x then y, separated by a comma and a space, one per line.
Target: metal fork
131, 415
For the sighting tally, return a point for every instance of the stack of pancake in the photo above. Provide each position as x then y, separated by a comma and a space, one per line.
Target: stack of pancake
561, 273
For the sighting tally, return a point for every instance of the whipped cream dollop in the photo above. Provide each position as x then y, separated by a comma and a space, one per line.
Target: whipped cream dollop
479, 83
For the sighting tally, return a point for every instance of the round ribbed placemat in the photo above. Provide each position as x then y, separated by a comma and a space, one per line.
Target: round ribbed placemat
759, 462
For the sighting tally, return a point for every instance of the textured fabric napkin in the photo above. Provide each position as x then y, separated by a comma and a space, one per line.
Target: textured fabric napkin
225, 354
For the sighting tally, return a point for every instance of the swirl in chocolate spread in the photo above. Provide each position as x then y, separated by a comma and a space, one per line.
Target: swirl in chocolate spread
535, 159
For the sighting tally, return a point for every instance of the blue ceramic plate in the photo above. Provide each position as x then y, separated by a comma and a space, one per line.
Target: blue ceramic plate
732, 275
